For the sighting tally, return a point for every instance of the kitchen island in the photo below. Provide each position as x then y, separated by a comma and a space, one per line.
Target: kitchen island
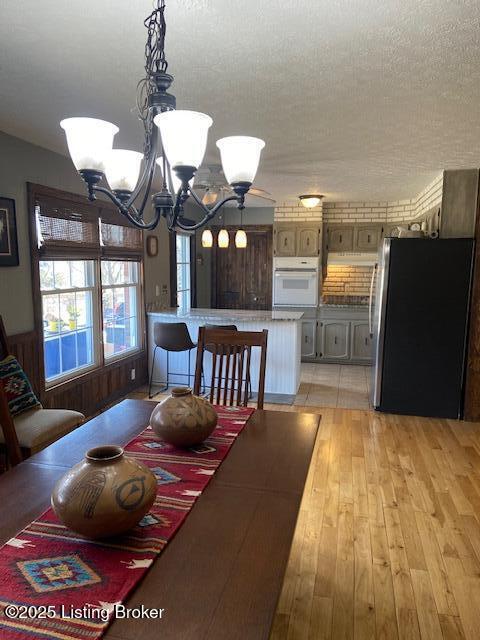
283, 350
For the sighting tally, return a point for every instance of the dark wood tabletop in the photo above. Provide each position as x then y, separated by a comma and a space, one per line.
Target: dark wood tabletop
221, 575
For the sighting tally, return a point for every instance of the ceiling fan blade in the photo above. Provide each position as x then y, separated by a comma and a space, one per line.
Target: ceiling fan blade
259, 192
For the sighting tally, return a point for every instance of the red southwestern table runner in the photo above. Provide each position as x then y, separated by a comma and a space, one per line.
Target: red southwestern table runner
56, 585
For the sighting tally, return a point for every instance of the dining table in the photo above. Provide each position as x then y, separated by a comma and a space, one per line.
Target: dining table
222, 573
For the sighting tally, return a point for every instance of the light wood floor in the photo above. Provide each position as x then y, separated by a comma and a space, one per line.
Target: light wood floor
388, 540
387, 544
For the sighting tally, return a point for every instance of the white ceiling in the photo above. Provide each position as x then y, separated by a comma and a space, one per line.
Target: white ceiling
357, 99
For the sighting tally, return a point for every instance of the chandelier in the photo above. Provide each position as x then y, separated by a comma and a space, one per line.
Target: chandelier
175, 141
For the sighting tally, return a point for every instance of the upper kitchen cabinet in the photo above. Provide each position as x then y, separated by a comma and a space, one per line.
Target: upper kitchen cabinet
309, 241
293, 239
340, 238
358, 237
284, 240
367, 238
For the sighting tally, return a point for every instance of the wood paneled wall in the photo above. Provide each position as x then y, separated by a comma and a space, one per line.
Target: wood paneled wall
88, 393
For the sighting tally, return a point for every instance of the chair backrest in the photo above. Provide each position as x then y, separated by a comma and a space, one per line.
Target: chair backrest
223, 327
231, 361
6, 421
172, 336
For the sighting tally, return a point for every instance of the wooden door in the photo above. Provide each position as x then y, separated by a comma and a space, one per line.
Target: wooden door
308, 241
242, 278
258, 270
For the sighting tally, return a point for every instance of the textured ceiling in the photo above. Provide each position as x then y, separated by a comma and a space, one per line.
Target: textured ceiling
357, 99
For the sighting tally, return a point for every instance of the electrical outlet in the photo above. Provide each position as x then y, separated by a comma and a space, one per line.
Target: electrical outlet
132, 374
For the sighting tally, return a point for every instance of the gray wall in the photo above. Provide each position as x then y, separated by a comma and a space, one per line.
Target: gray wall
22, 162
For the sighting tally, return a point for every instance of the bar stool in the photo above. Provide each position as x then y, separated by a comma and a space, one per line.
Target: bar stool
211, 349
170, 336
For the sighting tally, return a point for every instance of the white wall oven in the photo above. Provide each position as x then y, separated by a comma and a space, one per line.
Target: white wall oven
295, 282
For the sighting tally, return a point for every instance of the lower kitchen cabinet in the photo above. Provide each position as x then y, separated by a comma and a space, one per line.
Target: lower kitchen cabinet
309, 331
361, 343
335, 339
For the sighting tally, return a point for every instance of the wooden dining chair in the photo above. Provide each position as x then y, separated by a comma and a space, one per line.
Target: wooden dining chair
231, 361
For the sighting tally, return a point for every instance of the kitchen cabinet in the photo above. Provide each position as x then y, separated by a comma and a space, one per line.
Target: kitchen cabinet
334, 339
284, 240
295, 239
340, 238
355, 237
309, 241
361, 343
309, 330
367, 238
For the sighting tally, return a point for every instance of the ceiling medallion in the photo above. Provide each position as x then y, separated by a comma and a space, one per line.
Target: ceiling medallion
175, 140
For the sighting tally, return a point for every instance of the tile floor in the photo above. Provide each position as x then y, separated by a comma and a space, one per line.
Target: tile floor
322, 385
334, 385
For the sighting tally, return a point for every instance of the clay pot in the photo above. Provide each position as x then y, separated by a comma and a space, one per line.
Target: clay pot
105, 495
183, 419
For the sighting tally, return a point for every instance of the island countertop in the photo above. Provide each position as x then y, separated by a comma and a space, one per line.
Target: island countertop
223, 315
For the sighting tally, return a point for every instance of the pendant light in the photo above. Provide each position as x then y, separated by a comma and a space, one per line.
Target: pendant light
241, 236
207, 239
223, 239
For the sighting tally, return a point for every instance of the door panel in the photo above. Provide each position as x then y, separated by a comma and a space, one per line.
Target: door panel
335, 339
367, 238
308, 338
308, 242
340, 238
242, 278
285, 245
361, 348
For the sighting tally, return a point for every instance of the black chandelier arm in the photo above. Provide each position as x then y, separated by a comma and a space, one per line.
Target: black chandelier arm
148, 171
135, 219
175, 220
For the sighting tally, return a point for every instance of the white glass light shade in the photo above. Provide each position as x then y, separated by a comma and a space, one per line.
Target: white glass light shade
223, 239
207, 239
310, 201
89, 141
122, 168
184, 136
241, 239
240, 157
176, 182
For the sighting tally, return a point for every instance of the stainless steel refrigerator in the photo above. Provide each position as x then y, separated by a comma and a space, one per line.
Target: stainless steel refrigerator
420, 326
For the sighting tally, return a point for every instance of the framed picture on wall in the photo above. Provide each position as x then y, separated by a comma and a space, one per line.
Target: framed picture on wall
8, 234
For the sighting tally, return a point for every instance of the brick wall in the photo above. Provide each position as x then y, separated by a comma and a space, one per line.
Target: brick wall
396, 211
296, 212
346, 281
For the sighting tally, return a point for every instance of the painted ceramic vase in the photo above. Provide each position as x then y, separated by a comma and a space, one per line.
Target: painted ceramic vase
183, 419
105, 495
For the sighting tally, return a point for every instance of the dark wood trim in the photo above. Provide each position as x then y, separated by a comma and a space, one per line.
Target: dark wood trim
472, 377
193, 270
108, 381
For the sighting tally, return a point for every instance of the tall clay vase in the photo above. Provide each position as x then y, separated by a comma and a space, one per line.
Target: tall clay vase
183, 419
105, 495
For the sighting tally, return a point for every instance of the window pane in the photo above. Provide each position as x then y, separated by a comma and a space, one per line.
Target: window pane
68, 321
183, 271
119, 272
119, 306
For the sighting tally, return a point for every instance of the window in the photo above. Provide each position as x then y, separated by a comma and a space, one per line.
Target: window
89, 279
67, 290
120, 304
184, 297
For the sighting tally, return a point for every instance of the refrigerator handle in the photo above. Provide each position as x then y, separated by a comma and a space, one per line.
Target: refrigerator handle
370, 302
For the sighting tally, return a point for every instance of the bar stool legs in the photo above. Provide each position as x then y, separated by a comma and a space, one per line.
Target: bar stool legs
167, 383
